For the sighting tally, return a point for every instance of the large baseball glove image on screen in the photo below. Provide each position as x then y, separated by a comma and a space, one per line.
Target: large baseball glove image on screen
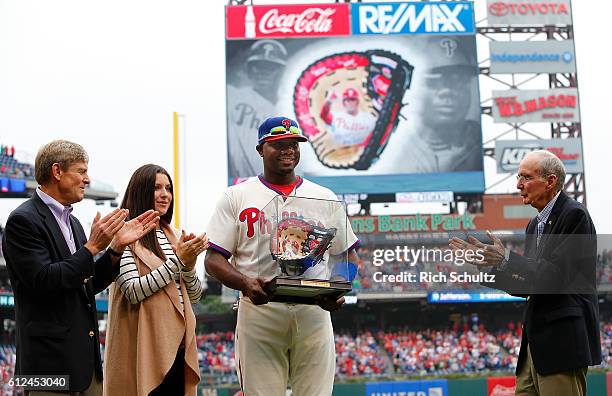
299, 245
348, 105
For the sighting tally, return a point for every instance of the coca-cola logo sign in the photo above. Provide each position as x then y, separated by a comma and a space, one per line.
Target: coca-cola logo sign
310, 20
287, 21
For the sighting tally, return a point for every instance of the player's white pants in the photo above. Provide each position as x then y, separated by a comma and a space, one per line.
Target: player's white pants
278, 343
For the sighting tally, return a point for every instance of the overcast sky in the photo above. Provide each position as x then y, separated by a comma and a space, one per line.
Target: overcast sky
109, 75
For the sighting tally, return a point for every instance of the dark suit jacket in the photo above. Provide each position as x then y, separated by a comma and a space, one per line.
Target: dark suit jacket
55, 310
561, 317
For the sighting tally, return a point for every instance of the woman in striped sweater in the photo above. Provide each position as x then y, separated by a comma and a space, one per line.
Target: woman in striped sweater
150, 338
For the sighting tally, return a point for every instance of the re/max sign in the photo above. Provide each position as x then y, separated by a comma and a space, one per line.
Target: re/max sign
413, 18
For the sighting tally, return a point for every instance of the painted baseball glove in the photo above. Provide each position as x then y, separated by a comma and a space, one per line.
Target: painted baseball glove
348, 105
299, 245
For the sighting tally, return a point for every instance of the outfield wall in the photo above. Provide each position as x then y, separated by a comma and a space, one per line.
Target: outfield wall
598, 383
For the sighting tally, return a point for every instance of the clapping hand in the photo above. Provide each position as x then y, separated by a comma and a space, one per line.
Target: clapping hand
189, 247
134, 229
103, 229
484, 254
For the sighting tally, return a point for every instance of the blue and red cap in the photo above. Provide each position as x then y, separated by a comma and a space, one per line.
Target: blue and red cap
276, 128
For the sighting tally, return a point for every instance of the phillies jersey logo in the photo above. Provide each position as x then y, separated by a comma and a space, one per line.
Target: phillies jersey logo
251, 216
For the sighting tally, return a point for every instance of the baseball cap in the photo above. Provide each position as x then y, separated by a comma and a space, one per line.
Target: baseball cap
276, 128
268, 51
350, 93
450, 54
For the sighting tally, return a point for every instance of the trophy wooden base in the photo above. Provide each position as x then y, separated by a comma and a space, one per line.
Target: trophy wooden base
304, 291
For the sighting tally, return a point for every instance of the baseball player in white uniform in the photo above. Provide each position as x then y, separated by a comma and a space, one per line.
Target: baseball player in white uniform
277, 344
350, 126
248, 106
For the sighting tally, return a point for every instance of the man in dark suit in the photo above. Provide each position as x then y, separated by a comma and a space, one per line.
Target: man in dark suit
557, 276
53, 273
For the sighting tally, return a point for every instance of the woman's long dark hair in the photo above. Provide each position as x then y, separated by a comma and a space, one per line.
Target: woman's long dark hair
140, 197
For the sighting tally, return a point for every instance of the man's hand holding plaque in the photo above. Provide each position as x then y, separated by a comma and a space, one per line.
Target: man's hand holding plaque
297, 246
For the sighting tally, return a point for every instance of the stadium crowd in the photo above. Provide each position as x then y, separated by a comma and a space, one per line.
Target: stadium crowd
216, 355
457, 350
450, 351
358, 355
11, 167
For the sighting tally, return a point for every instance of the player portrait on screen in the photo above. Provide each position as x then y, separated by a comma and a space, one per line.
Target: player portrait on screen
351, 125
445, 135
252, 94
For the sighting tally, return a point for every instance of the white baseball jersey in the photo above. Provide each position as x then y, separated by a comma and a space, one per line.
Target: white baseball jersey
352, 129
278, 343
242, 223
246, 110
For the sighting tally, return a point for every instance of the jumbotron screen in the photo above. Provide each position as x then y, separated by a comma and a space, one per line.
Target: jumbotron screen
387, 94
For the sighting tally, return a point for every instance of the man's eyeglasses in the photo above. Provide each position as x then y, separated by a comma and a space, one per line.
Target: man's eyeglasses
527, 179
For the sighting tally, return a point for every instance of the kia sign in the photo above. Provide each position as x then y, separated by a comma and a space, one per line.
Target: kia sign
287, 21
413, 18
509, 153
549, 56
551, 105
529, 12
